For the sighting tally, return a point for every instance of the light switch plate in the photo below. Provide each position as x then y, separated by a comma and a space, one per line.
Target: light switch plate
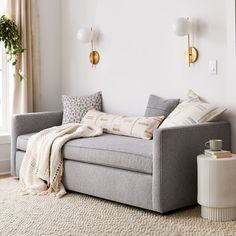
212, 67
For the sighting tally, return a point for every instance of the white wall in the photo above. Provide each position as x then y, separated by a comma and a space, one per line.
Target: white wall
50, 44
139, 52
141, 55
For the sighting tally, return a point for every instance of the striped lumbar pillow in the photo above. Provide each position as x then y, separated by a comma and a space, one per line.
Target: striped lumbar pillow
139, 127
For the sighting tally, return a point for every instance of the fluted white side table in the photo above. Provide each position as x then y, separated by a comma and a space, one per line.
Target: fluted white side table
217, 187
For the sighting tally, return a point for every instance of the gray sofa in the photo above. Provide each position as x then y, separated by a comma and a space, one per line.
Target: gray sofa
158, 174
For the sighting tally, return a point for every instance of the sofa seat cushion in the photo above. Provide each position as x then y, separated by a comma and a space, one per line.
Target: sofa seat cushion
22, 141
109, 150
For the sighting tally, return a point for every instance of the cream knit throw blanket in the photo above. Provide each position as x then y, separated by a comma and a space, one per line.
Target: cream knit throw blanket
42, 166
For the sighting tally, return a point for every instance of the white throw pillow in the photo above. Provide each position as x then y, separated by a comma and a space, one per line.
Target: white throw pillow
192, 111
139, 127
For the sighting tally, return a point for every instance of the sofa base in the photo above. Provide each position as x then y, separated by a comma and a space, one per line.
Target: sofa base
128, 187
132, 188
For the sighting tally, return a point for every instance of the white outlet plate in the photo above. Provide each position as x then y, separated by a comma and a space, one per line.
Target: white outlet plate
212, 67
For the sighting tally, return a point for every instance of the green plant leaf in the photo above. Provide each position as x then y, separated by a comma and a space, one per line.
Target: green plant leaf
20, 77
11, 39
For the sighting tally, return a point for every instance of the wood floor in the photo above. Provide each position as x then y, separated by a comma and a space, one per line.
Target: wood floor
5, 176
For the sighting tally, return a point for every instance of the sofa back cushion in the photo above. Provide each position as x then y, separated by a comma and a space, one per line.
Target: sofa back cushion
158, 106
139, 127
192, 111
75, 107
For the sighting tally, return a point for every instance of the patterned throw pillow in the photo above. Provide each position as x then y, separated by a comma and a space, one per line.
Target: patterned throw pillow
139, 127
74, 107
192, 111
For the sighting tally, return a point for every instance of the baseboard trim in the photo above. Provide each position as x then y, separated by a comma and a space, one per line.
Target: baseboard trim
4, 167
5, 173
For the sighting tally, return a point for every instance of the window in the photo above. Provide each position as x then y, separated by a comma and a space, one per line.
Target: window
4, 103
1, 92
4, 87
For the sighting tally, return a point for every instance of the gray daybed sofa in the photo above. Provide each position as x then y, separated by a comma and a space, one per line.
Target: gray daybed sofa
159, 174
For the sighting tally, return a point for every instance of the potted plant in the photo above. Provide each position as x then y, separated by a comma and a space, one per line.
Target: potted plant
11, 39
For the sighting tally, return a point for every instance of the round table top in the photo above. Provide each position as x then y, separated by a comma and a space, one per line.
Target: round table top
202, 157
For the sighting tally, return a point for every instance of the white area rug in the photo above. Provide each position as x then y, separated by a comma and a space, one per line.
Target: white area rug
77, 214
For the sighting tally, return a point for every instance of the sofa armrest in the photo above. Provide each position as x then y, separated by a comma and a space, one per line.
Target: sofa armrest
30, 123
175, 164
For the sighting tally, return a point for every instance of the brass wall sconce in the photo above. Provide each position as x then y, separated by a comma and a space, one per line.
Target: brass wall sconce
86, 35
183, 27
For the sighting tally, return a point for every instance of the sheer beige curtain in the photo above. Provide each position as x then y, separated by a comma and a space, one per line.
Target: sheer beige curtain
26, 94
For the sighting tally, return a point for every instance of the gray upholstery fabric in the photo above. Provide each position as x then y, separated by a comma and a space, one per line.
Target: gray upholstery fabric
22, 141
172, 184
158, 106
123, 186
109, 150
29, 123
175, 163
112, 150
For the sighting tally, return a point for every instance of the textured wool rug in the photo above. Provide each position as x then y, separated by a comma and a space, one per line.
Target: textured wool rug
77, 214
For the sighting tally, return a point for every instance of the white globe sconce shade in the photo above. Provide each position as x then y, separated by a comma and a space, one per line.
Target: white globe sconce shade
183, 27
85, 35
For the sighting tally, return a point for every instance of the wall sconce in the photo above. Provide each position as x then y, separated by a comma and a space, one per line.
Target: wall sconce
86, 35
183, 27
